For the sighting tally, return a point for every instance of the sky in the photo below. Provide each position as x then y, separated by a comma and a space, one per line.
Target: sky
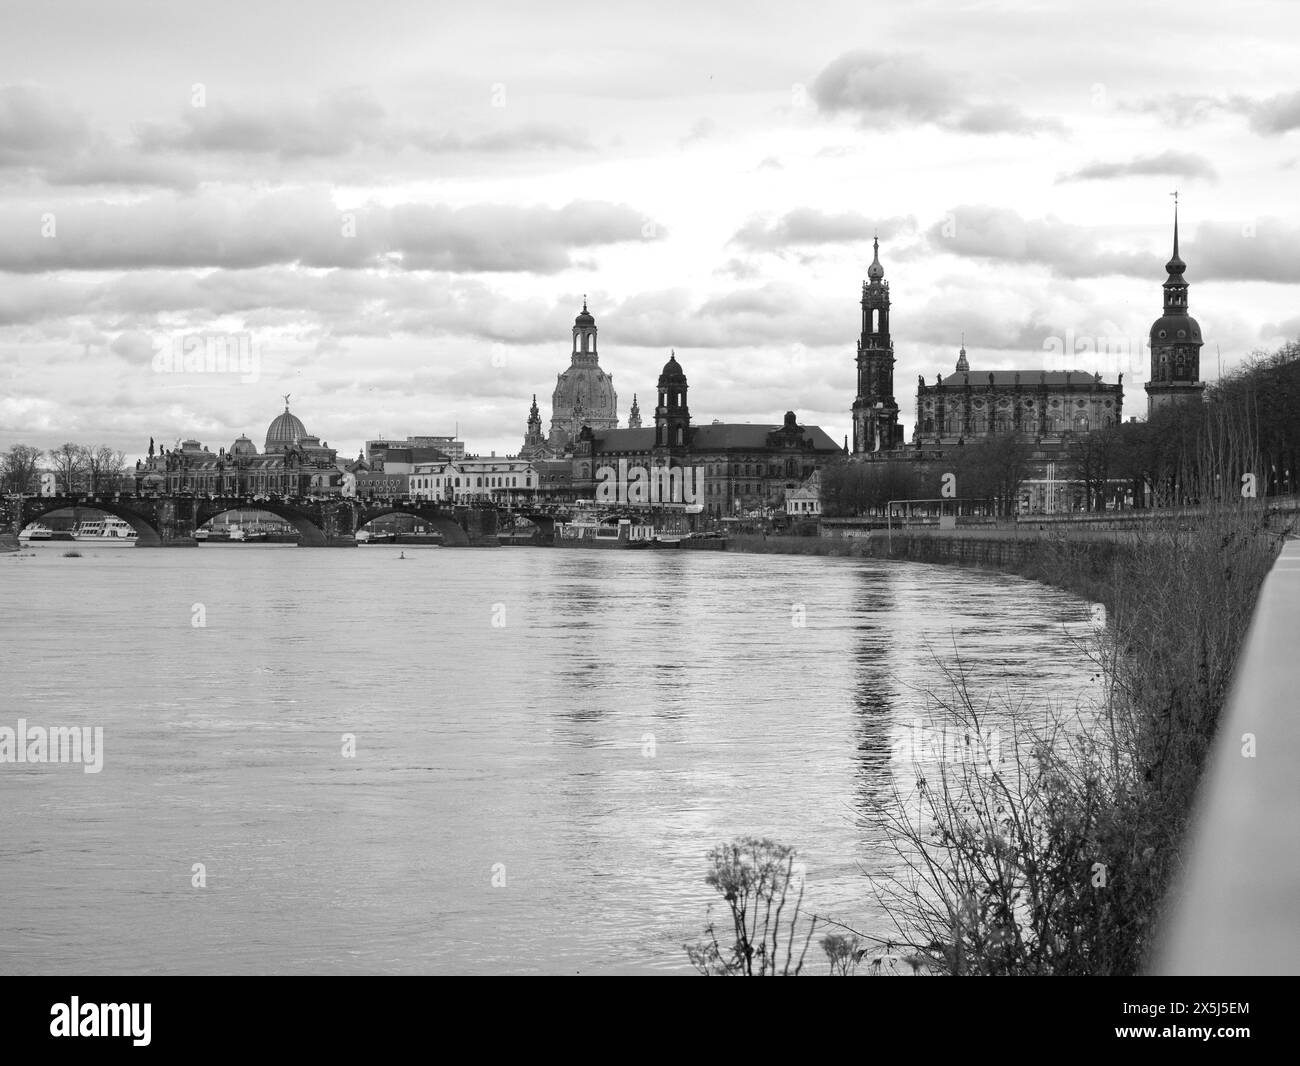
392, 212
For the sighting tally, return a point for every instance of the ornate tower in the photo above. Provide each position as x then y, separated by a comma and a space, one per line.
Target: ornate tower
534, 441
634, 415
584, 384
672, 416
875, 414
584, 338
1175, 342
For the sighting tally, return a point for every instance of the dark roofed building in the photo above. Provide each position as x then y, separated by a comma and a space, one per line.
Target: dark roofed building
747, 466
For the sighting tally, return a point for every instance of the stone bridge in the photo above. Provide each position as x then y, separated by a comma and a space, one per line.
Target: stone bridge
164, 521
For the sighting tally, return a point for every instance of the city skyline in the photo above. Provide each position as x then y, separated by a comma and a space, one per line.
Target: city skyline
405, 230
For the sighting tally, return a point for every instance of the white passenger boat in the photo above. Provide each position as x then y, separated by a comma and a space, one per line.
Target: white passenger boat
108, 529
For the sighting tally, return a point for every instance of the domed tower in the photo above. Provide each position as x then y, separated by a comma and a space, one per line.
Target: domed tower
1175, 342
584, 380
634, 415
672, 416
284, 430
875, 414
243, 448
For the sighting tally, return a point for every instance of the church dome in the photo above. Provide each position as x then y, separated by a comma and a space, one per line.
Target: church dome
243, 446
285, 429
588, 386
1175, 329
672, 372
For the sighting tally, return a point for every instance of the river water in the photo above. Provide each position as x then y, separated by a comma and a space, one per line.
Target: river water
544, 746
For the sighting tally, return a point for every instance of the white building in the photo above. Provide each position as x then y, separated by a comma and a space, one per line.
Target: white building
806, 500
474, 477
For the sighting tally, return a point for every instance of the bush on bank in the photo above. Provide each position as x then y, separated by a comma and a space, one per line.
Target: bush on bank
1057, 859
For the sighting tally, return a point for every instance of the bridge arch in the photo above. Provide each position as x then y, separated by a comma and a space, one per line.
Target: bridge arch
311, 534
453, 533
36, 508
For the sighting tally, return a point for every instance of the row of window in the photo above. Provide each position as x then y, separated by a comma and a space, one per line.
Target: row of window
489, 481
753, 469
953, 425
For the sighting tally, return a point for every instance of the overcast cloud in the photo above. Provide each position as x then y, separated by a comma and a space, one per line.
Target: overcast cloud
403, 210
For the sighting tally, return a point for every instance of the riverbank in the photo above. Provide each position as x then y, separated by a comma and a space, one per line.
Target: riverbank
1083, 566
1109, 808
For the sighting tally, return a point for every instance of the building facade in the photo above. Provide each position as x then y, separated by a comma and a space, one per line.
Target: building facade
293, 462
475, 478
743, 468
1042, 405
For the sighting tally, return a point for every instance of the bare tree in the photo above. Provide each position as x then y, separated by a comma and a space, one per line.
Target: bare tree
104, 468
18, 468
69, 461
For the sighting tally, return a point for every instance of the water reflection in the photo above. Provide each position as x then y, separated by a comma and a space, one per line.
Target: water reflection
634, 709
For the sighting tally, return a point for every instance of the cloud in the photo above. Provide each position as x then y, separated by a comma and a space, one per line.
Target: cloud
1269, 116
1176, 164
982, 231
808, 225
1261, 250
339, 123
118, 167
336, 124
1274, 115
1003, 118
701, 130
1177, 109
305, 227
882, 90
37, 126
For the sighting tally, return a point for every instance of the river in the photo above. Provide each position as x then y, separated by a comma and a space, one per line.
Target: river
544, 745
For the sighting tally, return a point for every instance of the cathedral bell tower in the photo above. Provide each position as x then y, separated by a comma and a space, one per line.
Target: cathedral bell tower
1175, 341
875, 414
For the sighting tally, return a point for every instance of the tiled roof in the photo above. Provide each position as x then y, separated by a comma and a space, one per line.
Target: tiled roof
722, 437
1028, 378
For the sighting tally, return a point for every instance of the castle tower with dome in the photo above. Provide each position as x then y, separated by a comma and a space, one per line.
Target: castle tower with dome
1175, 342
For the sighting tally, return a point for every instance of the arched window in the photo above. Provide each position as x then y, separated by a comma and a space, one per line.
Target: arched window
1081, 423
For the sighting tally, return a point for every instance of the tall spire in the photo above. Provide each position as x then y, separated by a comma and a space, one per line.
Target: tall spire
1176, 266
961, 357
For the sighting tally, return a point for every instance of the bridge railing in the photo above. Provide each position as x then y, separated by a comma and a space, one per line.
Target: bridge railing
1234, 911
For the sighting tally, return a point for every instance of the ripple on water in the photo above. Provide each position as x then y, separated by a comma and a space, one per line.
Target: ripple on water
634, 710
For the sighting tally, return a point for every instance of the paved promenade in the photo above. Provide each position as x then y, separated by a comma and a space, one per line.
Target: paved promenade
1237, 910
